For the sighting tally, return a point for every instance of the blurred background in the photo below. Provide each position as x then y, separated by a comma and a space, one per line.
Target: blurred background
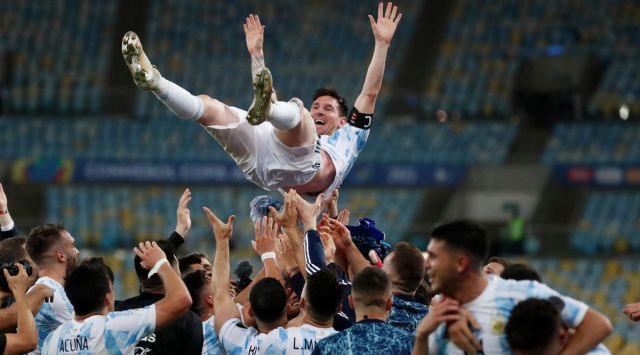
521, 115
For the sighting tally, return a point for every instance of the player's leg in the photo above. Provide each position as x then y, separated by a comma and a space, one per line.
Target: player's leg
182, 103
294, 126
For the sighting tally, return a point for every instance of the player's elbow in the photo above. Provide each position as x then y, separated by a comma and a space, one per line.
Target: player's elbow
371, 93
183, 302
607, 327
598, 324
30, 344
23, 344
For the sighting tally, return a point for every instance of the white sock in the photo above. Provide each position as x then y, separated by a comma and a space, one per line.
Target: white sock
284, 115
179, 101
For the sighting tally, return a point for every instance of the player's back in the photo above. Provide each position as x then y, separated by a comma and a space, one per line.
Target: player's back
115, 333
295, 340
369, 336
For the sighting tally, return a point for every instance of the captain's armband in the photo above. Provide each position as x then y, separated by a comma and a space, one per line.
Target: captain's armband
360, 120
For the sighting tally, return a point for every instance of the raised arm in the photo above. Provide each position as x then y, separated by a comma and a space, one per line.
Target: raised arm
176, 300
183, 215
223, 304
265, 246
254, 35
7, 227
344, 244
288, 220
38, 294
383, 30
183, 221
26, 339
593, 329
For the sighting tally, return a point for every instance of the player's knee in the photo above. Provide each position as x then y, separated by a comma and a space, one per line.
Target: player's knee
206, 99
210, 104
297, 101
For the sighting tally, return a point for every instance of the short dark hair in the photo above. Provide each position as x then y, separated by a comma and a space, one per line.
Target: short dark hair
195, 282
467, 237
502, 261
532, 325
370, 286
408, 265
323, 295
342, 103
186, 261
423, 293
520, 271
268, 300
243, 271
86, 287
98, 262
13, 249
41, 239
142, 273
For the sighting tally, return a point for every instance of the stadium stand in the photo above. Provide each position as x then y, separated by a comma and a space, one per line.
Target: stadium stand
485, 43
390, 142
432, 143
117, 217
60, 52
593, 143
201, 46
606, 284
609, 223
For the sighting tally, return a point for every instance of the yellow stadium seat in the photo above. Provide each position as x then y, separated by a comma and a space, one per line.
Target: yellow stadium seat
621, 245
614, 343
567, 264
611, 269
631, 348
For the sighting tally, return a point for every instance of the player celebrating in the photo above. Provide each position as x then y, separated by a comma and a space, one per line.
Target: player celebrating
311, 152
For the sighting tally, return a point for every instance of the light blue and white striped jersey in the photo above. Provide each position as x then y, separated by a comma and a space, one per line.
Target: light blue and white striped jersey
114, 333
493, 308
343, 147
210, 343
52, 314
297, 340
236, 339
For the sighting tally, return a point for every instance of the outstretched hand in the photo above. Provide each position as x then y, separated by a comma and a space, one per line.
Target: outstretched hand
150, 253
341, 235
183, 215
266, 234
309, 212
254, 34
632, 310
288, 218
388, 20
221, 231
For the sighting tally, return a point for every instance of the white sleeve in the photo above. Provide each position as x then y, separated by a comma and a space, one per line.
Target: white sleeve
233, 336
432, 344
352, 140
573, 311
124, 329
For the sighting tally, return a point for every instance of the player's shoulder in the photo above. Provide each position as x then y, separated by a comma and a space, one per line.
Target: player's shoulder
335, 341
506, 286
49, 282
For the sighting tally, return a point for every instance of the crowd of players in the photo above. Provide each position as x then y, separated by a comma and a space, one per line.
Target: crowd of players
325, 287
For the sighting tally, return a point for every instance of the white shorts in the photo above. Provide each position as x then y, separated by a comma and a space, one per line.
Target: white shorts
261, 156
